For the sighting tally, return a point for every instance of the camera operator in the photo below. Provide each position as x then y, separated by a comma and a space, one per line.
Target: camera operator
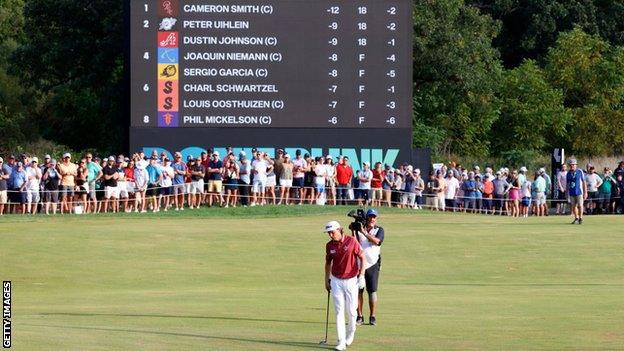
370, 237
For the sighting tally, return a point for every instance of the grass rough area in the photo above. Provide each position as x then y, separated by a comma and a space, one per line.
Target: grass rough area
252, 279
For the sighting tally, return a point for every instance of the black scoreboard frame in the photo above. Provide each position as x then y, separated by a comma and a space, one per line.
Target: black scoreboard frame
387, 145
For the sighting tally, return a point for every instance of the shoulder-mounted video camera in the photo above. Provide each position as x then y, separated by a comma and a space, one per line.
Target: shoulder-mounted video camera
359, 220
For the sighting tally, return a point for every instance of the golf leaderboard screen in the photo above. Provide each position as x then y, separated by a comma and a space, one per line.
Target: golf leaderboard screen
271, 64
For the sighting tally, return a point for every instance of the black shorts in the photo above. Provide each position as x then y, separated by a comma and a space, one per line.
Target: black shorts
231, 184
499, 200
14, 196
166, 191
297, 183
449, 203
152, 189
371, 276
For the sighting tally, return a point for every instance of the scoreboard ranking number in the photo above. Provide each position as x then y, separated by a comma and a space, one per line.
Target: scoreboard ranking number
271, 64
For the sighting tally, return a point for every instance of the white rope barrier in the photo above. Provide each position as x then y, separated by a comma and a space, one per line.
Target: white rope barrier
268, 198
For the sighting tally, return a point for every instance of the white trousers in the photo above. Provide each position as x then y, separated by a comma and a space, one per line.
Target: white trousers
345, 295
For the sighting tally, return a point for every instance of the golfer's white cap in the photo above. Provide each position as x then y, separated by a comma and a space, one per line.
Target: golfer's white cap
331, 226
523, 169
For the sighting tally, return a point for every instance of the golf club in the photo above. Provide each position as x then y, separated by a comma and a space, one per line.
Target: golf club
324, 341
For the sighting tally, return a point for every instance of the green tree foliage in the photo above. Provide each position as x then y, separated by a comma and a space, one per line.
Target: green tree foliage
610, 15
591, 75
13, 98
73, 56
532, 112
456, 74
531, 27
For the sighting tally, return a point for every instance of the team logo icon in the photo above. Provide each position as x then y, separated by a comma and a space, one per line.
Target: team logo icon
167, 23
168, 71
168, 119
168, 55
168, 87
167, 39
168, 8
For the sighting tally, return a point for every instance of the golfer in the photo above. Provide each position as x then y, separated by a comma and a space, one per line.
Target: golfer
341, 260
371, 237
577, 190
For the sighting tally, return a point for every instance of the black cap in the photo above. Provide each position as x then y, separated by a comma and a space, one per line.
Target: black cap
298, 152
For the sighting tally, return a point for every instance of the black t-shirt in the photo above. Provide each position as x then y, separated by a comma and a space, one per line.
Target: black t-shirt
53, 179
216, 175
79, 180
109, 171
432, 183
197, 168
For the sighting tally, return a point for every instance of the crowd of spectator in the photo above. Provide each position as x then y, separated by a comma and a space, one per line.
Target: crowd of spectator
156, 183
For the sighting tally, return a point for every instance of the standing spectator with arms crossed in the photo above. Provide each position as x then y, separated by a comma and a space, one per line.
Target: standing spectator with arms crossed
341, 261
344, 174
111, 191
68, 171
179, 170
215, 179
593, 182
365, 178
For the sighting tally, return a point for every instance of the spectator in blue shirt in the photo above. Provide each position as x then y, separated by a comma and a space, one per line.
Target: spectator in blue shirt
18, 179
154, 176
577, 190
470, 187
179, 170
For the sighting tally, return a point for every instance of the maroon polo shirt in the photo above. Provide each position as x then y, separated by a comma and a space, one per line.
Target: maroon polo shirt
344, 255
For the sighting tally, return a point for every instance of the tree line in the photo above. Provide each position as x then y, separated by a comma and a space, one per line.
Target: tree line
491, 77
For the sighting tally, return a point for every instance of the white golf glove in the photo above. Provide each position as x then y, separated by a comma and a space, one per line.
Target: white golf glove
361, 283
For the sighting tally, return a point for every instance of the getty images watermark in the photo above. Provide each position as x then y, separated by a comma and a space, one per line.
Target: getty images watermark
6, 314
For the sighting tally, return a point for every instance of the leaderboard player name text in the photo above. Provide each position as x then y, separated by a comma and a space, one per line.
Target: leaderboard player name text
281, 64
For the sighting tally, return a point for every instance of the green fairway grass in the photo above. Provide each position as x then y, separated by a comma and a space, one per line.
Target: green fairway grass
252, 279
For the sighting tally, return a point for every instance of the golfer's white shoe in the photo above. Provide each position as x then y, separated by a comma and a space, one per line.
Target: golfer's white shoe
340, 347
349, 339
